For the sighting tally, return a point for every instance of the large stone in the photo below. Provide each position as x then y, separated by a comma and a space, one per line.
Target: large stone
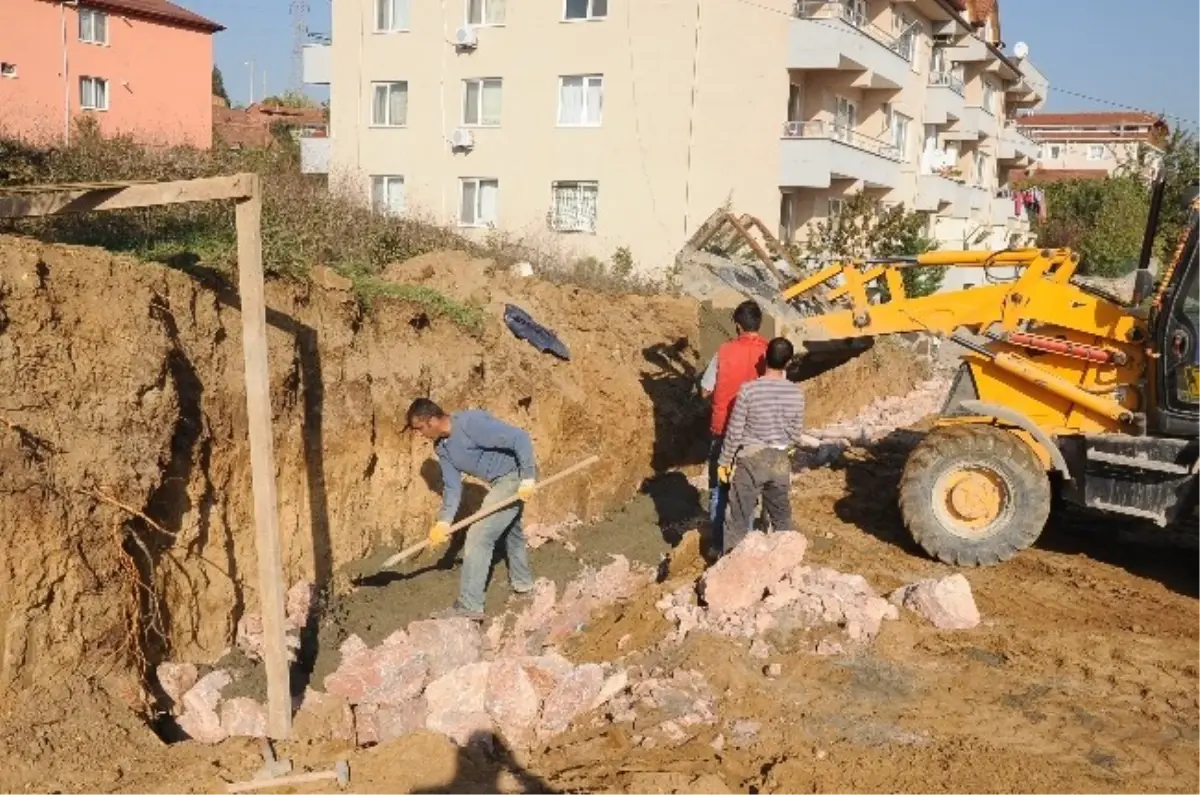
200, 719
323, 716
946, 603
457, 703
299, 604
761, 560
446, 643
574, 694
384, 675
546, 672
243, 717
512, 700
378, 724
176, 679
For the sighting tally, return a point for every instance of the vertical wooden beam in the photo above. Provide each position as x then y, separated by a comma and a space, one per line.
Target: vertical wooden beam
262, 461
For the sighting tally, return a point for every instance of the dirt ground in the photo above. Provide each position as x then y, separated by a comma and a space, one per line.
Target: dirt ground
1082, 677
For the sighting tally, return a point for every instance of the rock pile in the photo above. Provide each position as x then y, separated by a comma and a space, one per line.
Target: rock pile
877, 420
298, 608
946, 603
675, 708
763, 585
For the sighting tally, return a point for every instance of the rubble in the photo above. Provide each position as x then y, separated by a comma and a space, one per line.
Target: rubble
761, 586
512, 700
200, 719
445, 643
384, 675
243, 717
298, 608
574, 694
946, 603
538, 534
457, 702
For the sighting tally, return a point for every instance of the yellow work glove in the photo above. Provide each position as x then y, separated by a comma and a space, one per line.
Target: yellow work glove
725, 474
525, 490
439, 534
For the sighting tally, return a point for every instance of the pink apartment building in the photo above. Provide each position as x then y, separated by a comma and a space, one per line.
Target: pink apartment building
142, 67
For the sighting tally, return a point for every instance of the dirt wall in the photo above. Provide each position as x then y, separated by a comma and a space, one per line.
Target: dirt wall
124, 380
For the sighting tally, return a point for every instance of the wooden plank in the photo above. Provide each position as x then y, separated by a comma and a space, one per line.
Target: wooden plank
262, 461
123, 197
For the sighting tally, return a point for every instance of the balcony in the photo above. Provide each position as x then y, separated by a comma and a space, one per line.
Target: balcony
813, 154
317, 64
936, 193
314, 154
945, 98
1015, 145
1004, 213
829, 35
978, 197
1032, 89
981, 121
969, 49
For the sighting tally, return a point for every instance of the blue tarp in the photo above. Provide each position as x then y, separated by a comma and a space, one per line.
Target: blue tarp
525, 327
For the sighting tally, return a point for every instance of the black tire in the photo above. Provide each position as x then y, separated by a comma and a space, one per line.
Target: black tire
988, 455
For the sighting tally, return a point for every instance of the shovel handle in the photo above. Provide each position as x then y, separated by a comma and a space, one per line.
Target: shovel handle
408, 552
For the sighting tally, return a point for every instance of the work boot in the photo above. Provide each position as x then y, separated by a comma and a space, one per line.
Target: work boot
458, 611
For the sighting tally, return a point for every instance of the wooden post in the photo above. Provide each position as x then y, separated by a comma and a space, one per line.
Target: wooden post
262, 461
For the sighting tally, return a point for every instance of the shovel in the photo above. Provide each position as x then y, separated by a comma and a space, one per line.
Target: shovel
409, 552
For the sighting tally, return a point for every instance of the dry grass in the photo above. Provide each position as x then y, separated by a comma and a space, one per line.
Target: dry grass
304, 223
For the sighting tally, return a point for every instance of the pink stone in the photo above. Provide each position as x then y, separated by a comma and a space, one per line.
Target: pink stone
200, 719
366, 724
397, 638
546, 672
299, 604
457, 703
760, 561
351, 646
946, 603
445, 643
392, 721
384, 675
176, 679
243, 717
512, 700
573, 695
828, 647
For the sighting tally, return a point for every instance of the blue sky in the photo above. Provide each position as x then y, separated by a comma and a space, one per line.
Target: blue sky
1098, 48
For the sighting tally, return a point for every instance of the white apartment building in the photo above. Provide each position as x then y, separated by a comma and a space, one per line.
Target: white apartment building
594, 124
1094, 144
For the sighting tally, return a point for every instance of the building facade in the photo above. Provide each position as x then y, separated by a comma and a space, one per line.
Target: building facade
1095, 144
595, 124
138, 67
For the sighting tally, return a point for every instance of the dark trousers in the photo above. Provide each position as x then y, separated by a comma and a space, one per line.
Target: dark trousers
766, 472
718, 493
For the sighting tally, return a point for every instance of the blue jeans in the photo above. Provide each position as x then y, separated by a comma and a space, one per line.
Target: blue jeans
480, 546
718, 494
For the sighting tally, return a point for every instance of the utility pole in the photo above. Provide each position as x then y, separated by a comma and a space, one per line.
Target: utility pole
299, 9
250, 63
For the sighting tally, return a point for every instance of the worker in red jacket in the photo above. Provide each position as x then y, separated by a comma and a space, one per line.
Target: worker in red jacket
736, 362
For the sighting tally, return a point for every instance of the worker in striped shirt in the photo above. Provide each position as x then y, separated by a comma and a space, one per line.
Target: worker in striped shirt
767, 420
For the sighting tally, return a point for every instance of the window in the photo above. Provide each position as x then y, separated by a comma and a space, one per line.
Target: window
8, 69
981, 169
835, 207
580, 100
989, 97
845, 119
486, 12
389, 107
392, 15
585, 9
387, 195
855, 12
478, 205
481, 102
1095, 152
900, 125
93, 26
574, 206
905, 31
1052, 151
93, 93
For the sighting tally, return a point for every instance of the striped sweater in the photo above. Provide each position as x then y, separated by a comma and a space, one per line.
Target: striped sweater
768, 412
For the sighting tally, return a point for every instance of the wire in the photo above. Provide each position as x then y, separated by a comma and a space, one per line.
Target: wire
687, 185
637, 119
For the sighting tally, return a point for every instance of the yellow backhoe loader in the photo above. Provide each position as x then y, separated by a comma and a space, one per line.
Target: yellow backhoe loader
1061, 387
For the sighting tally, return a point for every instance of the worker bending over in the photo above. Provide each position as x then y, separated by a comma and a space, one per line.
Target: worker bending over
736, 362
473, 442
766, 423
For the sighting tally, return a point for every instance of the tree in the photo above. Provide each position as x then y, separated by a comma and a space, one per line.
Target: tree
1103, 219
1181, 167
218, 84
866, 228
291, 99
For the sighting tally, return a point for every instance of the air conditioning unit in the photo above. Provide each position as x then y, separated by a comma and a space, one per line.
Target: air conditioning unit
465, 38
462, 139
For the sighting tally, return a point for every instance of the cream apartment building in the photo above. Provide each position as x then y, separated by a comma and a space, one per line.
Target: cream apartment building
594, 124
1095, 144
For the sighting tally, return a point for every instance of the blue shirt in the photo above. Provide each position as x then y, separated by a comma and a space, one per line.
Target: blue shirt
484, 447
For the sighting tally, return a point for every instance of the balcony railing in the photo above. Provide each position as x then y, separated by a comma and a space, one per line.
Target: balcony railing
842, 134
947, 79
833, 9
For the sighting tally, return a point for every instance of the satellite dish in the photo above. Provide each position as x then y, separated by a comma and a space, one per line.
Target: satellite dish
1021, 50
